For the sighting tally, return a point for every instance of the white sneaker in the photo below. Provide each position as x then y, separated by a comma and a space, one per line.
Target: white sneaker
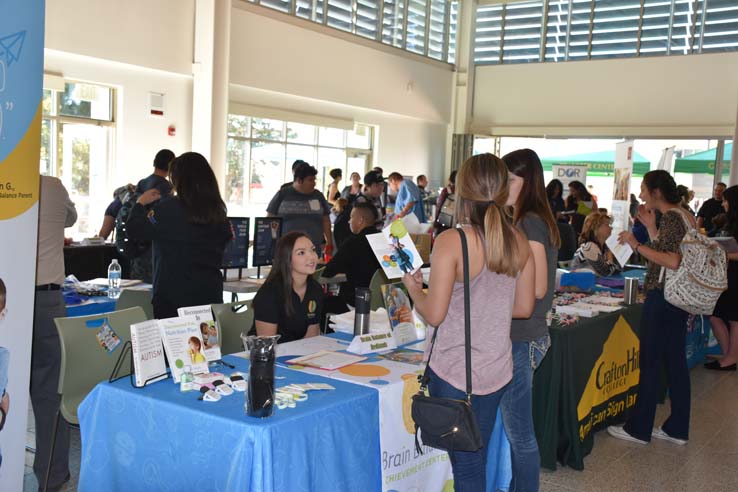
618, 432
660, 434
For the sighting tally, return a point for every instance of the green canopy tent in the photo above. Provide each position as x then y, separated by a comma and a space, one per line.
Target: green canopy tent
704, 162
598, 163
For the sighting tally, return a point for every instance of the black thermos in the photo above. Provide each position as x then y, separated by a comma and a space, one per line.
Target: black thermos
363, 307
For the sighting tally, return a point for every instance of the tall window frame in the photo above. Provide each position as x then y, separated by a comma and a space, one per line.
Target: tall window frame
260, 153
78, 133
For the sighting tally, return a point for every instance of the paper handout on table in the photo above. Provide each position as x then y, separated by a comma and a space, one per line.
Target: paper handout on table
208, 329
578, 310
345, 322
373, 342
148, 353
327, 360
621, 252
602, 308
395, 250
183, 345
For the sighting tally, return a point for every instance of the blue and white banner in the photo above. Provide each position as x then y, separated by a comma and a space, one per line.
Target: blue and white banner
21, 78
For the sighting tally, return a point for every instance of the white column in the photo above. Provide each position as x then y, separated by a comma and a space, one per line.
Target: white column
463, 96
210, 71
734, 156
221, 71
202, 77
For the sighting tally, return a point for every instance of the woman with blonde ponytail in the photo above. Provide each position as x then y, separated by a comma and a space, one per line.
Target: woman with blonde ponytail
501, 281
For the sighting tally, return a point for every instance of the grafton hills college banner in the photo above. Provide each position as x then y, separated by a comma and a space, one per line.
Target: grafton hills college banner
21, 76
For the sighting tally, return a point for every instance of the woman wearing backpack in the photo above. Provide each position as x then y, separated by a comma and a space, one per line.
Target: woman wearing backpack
663, 330
724, 320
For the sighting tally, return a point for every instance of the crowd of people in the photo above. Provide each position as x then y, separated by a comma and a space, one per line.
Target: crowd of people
516, 226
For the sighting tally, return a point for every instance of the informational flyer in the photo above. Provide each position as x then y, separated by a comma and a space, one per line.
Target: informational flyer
208, 329
183, 345
395, 250
621, 201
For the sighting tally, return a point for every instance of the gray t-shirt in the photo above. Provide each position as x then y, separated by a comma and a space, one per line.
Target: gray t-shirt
528, 330
301, 212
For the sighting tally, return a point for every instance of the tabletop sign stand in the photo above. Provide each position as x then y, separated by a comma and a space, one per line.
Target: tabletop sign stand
127, 352
374, 342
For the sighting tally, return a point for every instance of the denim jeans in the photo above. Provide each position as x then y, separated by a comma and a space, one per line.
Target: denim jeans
663, 341
470, 468
517, 414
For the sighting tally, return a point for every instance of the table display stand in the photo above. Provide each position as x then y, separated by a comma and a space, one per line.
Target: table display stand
128, 351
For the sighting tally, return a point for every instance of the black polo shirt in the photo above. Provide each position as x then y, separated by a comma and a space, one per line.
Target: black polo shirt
269, 307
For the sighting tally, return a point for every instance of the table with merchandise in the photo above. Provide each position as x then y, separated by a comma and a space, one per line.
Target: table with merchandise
358, 436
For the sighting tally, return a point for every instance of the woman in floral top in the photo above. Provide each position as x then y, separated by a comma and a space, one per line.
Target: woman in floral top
663, 328
593, 254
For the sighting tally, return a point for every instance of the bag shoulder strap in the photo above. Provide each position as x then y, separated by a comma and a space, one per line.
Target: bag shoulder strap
467, 326
467, 314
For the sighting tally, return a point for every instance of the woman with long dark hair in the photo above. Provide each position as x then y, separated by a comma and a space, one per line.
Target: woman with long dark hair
724, 319
580, 203
663, 330
290, 301
555, 194
530, 338
189, 231
501, 269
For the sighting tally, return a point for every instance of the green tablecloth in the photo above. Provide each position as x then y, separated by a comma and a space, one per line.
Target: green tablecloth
586, 382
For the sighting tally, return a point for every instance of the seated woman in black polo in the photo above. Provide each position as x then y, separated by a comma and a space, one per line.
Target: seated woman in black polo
290, 301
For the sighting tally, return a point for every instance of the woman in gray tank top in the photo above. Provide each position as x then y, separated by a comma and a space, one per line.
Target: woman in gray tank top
530, 339
500, 269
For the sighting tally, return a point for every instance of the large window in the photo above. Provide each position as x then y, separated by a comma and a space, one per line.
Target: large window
561, 30
261, 152
425, 27
77, 133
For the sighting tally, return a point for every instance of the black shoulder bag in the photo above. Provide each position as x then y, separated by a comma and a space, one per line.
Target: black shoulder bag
445, 423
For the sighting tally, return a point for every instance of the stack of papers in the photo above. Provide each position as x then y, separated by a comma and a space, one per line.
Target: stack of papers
578, 309
327, 360
378, 321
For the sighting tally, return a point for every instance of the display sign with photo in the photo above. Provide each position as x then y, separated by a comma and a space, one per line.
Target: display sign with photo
267, 231
237, 249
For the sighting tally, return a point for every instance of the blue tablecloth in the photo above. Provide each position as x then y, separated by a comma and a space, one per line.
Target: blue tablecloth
96, 305
157, 438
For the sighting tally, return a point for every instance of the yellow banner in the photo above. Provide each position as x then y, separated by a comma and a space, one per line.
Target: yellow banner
616, 370
19, 177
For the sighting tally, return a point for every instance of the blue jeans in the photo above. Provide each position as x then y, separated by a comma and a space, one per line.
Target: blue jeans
663, 341
470, 468
517, 414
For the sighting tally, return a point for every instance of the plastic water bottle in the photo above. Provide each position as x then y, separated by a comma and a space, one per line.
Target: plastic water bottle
114, 273
187, 379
